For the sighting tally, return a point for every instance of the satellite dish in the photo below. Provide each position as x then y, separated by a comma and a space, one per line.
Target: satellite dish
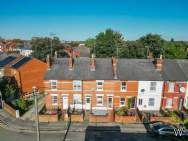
182, 89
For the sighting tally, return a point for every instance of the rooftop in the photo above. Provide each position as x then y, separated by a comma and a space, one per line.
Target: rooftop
127, 69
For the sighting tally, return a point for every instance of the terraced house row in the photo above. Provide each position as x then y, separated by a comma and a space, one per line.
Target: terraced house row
100, 85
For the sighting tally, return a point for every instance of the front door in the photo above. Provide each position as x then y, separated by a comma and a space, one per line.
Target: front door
87, 102
65, 102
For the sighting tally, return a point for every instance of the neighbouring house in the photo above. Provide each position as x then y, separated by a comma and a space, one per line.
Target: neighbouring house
28, 72
4, 62
24, 51
175, 76
186, 98
100, 85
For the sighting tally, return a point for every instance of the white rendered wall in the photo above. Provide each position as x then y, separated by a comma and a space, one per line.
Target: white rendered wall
157, 95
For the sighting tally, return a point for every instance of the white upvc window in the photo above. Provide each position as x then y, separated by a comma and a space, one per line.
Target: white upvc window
171, 87
151, 102
77, 99
168, 102
53, 84
122, 101
153, 86
100, 85
77, 85
123, 86
54, 99
99, 100
140, 101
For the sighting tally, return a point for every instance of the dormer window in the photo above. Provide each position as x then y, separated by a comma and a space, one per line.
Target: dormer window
77, 85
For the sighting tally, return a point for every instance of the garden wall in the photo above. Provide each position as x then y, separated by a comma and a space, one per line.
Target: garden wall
74, 118
7, 108
48, 118
125, 119
108, 118
164, 119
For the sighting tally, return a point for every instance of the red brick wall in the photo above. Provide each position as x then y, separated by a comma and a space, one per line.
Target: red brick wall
176, 95
107, 118
125, 119
9, 109
89, 87
48, 118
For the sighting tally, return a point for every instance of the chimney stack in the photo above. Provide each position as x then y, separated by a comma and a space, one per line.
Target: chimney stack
93, 63
114, 67
70, 63
159, 63
48, 61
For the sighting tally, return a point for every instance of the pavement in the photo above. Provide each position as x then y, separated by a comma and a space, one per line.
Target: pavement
28, 126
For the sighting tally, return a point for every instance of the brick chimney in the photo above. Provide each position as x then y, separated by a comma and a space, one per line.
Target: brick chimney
70, 63
114, 67
159, 63
93, 63
48, 61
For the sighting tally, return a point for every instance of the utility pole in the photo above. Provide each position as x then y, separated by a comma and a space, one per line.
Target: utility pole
36, 113
1, 100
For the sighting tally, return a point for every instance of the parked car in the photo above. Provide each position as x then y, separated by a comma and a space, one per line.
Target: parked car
167, 129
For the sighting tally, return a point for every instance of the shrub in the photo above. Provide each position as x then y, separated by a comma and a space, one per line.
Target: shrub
123, 111
174, 117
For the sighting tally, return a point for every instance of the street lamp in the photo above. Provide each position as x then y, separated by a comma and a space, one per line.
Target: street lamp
36, 113
1, 100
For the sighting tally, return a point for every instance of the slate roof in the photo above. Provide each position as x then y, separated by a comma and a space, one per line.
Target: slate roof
21, 62
127, 69
7, 60
137, 69
81, 70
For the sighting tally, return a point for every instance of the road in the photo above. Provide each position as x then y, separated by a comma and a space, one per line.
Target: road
79, 136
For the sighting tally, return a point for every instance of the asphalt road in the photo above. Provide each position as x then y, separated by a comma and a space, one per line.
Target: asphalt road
79, 136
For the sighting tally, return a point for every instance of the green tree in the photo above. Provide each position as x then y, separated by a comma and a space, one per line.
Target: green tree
107, 43
42, 46
154, 42
22, 105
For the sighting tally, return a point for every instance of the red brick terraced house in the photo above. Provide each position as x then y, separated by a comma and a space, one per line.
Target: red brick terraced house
175, 74
98, 85
28, 72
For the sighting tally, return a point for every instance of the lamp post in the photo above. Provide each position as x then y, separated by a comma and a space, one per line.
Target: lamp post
1, 100
36, 113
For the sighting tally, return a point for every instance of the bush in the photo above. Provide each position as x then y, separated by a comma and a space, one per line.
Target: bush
123, 111
174, 117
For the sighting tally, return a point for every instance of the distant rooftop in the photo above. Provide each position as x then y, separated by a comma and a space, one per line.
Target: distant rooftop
7, 60
21, 62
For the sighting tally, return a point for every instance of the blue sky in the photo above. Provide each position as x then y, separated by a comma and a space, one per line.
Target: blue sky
81, 19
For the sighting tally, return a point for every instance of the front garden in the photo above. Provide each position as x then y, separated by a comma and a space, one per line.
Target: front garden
125, 115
